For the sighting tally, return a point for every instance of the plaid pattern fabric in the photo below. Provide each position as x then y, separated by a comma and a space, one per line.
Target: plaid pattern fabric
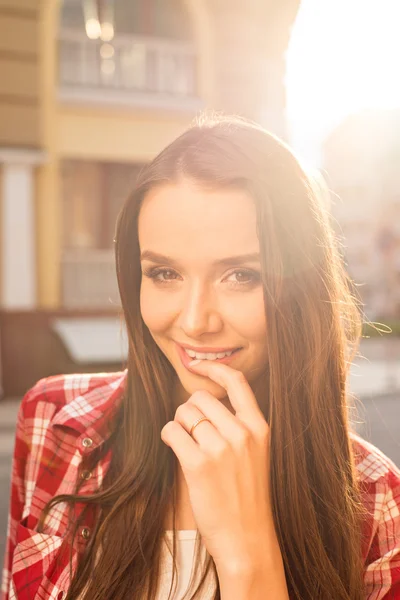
63, 419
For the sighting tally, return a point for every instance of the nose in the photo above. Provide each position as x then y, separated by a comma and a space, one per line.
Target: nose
199, 313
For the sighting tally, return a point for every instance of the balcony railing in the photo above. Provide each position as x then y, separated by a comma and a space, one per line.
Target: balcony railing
129, 66
89, 280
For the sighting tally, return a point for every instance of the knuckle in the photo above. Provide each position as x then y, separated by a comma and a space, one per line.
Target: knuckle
168, 426
168, 430
240, 377
243, 438
263, 431
180, 411
197, 397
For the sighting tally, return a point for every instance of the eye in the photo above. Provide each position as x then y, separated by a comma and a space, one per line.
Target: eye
160, 274
243, 277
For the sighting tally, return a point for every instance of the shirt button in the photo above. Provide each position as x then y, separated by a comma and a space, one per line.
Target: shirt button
87, 442
86, 475
61, 595
85, 533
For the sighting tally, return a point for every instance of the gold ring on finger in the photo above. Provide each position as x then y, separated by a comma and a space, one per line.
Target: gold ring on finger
197, 423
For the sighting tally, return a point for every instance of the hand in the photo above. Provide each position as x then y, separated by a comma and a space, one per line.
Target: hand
226, 466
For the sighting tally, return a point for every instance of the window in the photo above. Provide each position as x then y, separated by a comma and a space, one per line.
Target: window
93, 193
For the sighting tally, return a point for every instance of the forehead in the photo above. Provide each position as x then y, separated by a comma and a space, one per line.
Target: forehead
179, 217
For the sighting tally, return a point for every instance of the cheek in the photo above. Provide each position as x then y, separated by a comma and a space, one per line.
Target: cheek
258, 325
247, 316
157, 313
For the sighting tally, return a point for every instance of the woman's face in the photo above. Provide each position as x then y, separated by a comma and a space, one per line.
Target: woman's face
201, 291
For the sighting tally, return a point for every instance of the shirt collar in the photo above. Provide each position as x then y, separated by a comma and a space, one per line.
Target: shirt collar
90, 413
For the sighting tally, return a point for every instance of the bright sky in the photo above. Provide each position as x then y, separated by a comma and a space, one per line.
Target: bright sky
344, 56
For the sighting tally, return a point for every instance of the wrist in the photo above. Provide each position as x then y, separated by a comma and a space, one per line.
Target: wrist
248, 559
248, 567
255, 577
267, 583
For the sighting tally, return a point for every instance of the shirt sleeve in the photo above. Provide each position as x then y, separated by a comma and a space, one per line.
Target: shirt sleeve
382, 574
17, 500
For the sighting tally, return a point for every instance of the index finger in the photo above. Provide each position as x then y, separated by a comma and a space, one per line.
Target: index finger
236, 385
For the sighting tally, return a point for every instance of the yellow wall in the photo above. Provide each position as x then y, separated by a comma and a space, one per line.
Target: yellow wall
18, 80
19, 103
48, 205
204, 33
1, 231
115, 135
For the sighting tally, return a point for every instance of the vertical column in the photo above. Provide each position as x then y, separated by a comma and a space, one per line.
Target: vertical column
18, 237
250, 58
48, 197
204, 37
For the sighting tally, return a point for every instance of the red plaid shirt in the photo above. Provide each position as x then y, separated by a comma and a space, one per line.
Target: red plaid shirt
63, 419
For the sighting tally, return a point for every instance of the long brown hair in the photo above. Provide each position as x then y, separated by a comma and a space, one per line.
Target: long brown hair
313, 329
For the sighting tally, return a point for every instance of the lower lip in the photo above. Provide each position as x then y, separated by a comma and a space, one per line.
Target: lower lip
186, 359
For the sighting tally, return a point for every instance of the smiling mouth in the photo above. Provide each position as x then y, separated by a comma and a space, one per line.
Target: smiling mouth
209, 355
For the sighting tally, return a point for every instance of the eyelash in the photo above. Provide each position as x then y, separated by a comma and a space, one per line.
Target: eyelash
154, 272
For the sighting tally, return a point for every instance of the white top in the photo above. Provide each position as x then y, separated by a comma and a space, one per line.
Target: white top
185, 548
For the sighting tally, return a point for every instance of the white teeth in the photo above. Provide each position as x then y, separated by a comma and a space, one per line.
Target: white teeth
207, 355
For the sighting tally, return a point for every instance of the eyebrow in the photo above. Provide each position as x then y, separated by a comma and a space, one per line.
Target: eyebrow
228, 261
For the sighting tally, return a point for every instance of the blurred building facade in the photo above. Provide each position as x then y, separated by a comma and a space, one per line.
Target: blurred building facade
361, 160
90, 90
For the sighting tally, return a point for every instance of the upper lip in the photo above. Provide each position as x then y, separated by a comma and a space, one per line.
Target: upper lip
207, 349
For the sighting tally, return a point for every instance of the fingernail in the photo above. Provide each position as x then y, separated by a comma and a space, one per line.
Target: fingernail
195, 362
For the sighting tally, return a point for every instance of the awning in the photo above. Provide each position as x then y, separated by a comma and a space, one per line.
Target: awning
92, 340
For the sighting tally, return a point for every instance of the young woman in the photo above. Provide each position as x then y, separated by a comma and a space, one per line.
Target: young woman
221, 463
